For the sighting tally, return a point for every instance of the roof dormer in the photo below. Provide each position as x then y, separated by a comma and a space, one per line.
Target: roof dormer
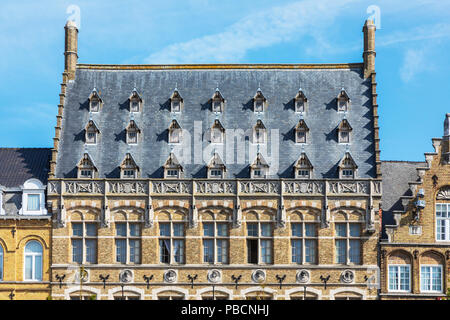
86, 167
259, 132
172, 167
217, 102
259, 168
135, 101
128, 168
33, 198
176, 101
303, 169
133, 132
301, 132
344, 130
216, 167
95, 101
343, 101
347, 167
259, 101
217, 132
300, 102
91, 132
175, 132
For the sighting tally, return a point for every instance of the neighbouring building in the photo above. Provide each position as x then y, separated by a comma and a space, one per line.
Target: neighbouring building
216, 181
25, 225
415, 249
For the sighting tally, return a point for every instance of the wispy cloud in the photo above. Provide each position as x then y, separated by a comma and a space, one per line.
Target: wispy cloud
258, 30
415, 62
426, 32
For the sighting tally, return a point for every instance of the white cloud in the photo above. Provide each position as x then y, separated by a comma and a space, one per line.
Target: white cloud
257, 30
436, 31
414, 62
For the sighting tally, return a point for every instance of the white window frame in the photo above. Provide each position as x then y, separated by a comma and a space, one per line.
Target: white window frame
441, 284
261, 238
211, 176
303, 238
304, 138
445, 220
33, 255
303, 105
172, 136
33, 187
90, 131
172, 104
131, 140
84, 237
217, 139
171, 238
262, 135
97, 109
341, 140
133, 100
128, 237
215, 238
346, 105
213, 104
347, 239
167, 171
255, 104
398, 285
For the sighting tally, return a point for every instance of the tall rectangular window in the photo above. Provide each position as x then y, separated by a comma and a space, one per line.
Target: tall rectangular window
171, 242
84, 242
33, 202
399, 278
128, 242
348, 243
303, 242
431, 278
443, 221
259, 243
215, 242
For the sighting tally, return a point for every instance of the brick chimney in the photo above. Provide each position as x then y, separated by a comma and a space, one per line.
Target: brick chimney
369, 53
70, 49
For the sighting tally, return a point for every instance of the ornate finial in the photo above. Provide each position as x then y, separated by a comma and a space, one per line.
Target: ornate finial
217, 86
259, 86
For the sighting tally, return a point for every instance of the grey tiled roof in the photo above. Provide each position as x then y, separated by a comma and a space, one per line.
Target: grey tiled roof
17, 165
238, 87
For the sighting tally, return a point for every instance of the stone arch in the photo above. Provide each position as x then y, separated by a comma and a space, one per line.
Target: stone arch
223, 290
269, 291
399, 257
295, 215
266, 216
432, 257
207, 215
288, 293
76, 215
163, 215
87, 289
119, 215
353, 291
132, 289
4, 246
32, 237
442, 193
339, 215
251, 215
181, 291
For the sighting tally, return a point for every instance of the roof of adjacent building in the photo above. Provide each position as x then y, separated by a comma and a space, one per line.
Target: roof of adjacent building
238, 85
17, 165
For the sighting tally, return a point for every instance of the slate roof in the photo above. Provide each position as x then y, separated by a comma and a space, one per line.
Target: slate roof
396, 176
17, 165
320, 84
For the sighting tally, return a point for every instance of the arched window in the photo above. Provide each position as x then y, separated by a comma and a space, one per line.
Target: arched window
399, 270
1, 262
33, 261
431, 272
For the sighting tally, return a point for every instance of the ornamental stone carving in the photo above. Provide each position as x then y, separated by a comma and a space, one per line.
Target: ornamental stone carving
347, 276
126, 276
215, 187
127, 187
214, 276
259, 276
443, 194
303, 276
303, 187
249, 187
171, 187
170, 276
73, 187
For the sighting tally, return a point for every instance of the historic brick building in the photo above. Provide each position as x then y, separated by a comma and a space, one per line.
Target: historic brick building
224, 181
25, 225
415, 251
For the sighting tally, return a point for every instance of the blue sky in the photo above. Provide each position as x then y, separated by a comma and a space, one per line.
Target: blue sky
412, 63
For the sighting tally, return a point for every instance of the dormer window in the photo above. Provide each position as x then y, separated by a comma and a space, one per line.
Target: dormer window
128, 168
175, 132
133, 132
343, 101
33, 198
259, 132
259, 168
135, 101
300, 102
216, 167
172, 167
301, 130
91, 132
86, 168
95, 101
344, 130
347, 167
217, 102
259, 101
303, 168
176, 101
217, 132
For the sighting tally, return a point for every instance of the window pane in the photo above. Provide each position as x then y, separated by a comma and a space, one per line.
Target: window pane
252, 229
208, 251
178, 229
266, 251
164, 229
33, 247
222, 229
252, 251
266, 230
310, 251
135, 230
404, 278
310, 230
341, 230
77, 251
297, 251
91, 229
355, 251
91, 251
33, 202
121, 229
222, 251
296, 229
178, 250
1, 262
38, 268
28, 268
121, 251
164, 251
393, 278
436, 278
135, 251
355, 230
77, 229
208, 229
341, 248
